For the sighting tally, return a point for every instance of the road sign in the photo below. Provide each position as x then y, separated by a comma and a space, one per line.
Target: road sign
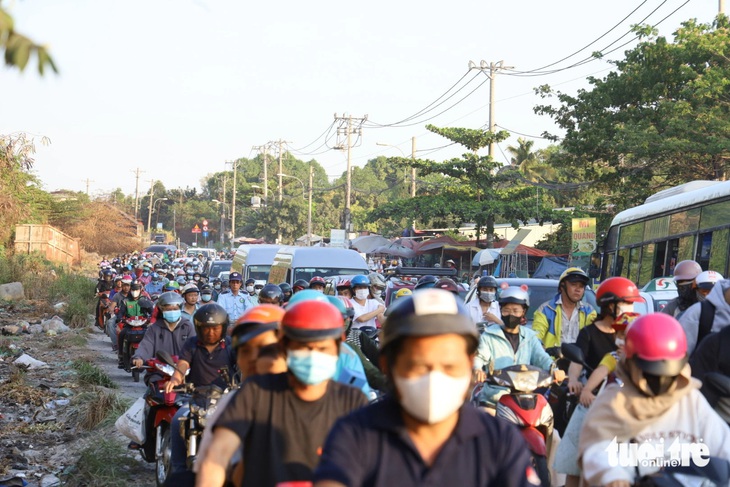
196, 229
205, 228
205, 223
205, 233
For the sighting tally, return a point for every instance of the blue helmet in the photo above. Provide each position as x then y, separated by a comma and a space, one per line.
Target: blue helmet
360, 281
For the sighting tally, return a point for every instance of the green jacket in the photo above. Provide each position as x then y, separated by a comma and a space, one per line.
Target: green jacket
548, 317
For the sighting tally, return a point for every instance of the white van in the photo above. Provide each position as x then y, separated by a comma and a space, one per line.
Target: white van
254, 261
294, 263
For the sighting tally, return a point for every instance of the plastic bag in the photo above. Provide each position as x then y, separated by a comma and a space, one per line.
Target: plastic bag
131, 423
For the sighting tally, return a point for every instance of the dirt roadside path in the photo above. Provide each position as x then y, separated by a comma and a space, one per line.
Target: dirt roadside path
107, 361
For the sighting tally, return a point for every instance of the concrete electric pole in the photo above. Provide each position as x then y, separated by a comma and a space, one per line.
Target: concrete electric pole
492, 69
346, 129
137, 173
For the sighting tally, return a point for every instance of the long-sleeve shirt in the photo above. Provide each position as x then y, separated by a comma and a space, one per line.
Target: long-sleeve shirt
159, 338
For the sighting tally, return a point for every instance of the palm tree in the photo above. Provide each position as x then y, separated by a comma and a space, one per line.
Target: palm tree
529, 163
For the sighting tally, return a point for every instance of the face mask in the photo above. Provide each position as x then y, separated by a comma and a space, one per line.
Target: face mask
686, 292
620, 342
311, 367
217, 287
700, 297
432, 397
487, 297
257, 291
206, 297
249, 289
510, 321
145, 274
135, 294
172, 316
622, 308
362, 294
196, 278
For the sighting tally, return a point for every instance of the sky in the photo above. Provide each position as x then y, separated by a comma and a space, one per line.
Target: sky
179, 87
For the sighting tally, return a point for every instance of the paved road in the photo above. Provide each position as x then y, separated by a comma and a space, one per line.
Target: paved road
99, 342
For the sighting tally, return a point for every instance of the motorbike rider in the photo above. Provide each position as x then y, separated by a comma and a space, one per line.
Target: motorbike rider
167, 333
710, 313
485, 307
685, 273
560, 319
317, 283
286, 292
204, 355
270, 294
344, 288
206, 294
133, 305
146, 276
659, 406
155, 285
377, 287
299, 285
367, 310
235, 302
191, 295
289, 413
425, 433
250, 288
216, 288
509, 344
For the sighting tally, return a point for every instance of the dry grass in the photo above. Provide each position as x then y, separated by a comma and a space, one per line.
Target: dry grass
98, 406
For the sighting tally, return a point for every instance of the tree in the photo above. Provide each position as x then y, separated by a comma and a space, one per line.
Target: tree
472, 191
18, 48
661, 118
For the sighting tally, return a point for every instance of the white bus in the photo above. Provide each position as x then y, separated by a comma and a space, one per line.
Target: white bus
690, 221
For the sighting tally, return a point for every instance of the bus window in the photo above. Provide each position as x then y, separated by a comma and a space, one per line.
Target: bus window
660, 255
622, 261
631, 234
647, 264
703, 250
672, 254
719, 251
685, 221
686, 248
608, 263
715, 215
634, 261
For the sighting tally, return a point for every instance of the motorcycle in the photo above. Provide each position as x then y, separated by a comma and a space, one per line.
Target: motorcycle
160, 409
715, 473
136, 328
527, 409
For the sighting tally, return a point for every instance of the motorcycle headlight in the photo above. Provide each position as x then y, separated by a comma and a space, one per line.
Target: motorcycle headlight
524, 381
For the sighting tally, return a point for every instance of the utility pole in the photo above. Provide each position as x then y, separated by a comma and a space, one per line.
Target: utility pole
222, 229
87, 181
309, 211
721, 6
233, 202
493, 68
137, 172
264, 149
413, 168
281, 167
149, 214
346, 129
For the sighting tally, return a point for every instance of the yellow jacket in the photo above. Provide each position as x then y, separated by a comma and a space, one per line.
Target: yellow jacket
547, 319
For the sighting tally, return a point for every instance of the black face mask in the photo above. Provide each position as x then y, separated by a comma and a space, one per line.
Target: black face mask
687, 294
510, 321
659, 384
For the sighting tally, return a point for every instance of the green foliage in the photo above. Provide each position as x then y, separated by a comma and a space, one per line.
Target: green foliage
660, 119
19, 49
105, 462
89, 374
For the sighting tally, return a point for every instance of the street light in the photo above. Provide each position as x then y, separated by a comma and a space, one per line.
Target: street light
309, 210
149, 216
223, 217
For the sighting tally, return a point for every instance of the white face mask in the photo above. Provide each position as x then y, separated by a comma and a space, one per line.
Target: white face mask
622, 308
362, 294
249, 289
432, 397
620, 342
257, 290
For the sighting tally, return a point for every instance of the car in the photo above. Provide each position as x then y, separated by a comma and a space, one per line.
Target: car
540, 291
160, 249
407, 277
223, 276
217, 267
660, 292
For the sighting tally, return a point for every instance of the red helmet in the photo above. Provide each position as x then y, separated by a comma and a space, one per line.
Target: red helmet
317, 280
345, 283
255, 321
615, 289
657, 344
310, 321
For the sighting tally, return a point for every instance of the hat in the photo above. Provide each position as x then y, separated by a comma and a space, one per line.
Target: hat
235, 276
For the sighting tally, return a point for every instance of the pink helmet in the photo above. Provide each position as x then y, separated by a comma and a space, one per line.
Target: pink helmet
657, 344
686, 270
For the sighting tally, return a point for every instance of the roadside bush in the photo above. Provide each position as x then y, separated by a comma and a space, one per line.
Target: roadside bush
90, 375
105, 462
99, 406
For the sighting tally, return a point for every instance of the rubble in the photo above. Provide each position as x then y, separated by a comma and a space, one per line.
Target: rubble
12, 291
55, 325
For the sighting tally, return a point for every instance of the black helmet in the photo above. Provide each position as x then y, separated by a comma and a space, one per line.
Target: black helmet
271, 291
168, 298
250, 281
447, 285
135, 286
487, 281
301, 284
426, 282
208, 315
426, 313
285, 288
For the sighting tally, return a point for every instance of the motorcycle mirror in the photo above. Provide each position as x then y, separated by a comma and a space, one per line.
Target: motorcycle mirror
165, 357
717, 383
573, 353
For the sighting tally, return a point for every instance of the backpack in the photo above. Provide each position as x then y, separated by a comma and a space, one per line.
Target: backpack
707, 316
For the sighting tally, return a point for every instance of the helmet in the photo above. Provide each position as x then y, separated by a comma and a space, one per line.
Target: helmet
686, 270
206, 288
426, 313
317, 280
376, 279
126, 279
255, 321
447, 285
340, 305
169, 298
360, 281
171, 286
155, 276
135, 286
487, 281
190, 288
345, 283
307, 295
657, 344
181, 280
574, 274
180, 272
285, 288
425, 282
301, 284
250, 281
615, 289
310, 321
394, 262
403, 292
707, 279
271, 291
514, 294
208, 315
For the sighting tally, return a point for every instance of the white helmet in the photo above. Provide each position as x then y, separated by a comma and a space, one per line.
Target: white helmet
707, 279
